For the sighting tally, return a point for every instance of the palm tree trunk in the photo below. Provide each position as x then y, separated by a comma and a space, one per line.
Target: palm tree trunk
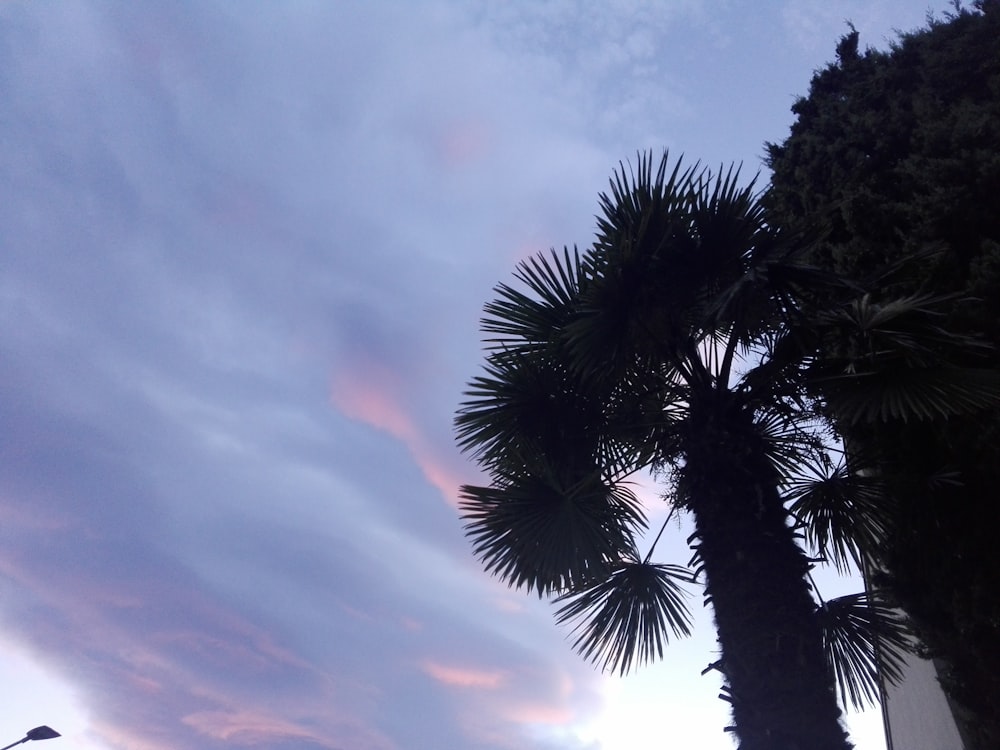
778, 680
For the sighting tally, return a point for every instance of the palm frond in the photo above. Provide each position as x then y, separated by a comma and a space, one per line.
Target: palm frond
628, 617
792, 437
634, 308
536, 316
868, 334
528, 404
525, 402
639, 197
728, 222
668, 268
910, 393
845, 514
548, 534
864, 640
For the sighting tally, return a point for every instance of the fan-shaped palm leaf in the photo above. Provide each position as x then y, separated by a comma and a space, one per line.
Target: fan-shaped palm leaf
864, 638
792, 437
639, 300
845, 514
865, 334
905, 393
535, 317
549, 534
638, 196
728, 223
627, 616
526, 402
895, 361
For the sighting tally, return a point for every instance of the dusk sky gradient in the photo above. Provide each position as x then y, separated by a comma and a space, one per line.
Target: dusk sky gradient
244, 248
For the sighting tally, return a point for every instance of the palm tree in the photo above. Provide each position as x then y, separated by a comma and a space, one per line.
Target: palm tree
681, 343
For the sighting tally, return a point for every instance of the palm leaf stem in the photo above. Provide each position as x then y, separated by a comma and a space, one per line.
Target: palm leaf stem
727, 359
666, 520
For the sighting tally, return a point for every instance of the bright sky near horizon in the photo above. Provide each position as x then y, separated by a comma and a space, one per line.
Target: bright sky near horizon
244, 247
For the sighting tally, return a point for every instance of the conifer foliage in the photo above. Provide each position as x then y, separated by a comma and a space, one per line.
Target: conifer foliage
893, 163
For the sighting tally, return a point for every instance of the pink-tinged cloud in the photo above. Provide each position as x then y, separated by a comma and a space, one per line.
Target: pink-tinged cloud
464, 143
119, 735
23, 512
249, 727
528, 249
146, 685
369, 395
442, 478
410, 624
357, 614
228, 649
505, 604
554, 711
540, 714
464, 677
319, 717
531, 698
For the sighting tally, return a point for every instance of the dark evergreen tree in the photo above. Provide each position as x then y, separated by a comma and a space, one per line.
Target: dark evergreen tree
893, 163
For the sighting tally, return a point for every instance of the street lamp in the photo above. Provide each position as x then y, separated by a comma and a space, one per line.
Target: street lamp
38, 733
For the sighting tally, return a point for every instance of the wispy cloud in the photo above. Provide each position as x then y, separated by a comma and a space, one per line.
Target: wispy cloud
464, 677
371, 394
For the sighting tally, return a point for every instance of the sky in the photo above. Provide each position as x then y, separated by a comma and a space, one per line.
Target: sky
244, 248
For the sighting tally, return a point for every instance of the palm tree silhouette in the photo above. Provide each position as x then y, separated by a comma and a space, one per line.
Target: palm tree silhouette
684, 341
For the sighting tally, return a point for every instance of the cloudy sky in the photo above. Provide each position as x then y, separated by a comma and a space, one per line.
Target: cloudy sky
243, 251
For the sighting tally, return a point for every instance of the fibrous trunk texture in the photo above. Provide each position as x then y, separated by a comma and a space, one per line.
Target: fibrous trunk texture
778, 680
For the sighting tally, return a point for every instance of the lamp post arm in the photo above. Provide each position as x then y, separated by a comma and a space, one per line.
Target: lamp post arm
38, 733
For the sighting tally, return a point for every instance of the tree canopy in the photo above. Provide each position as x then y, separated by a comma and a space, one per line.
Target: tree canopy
893, 163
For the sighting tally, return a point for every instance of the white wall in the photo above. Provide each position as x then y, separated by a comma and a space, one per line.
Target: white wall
917, 711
